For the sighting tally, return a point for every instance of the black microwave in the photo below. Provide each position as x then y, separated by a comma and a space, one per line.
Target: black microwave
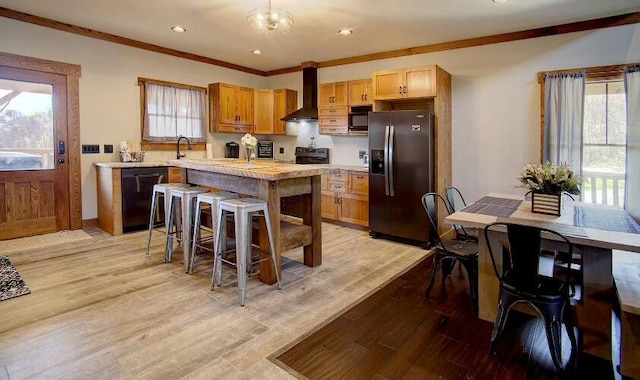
359, 119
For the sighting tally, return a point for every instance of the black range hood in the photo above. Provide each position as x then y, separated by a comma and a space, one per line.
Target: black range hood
309, 110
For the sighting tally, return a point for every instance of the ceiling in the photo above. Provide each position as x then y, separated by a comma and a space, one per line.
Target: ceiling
217, 29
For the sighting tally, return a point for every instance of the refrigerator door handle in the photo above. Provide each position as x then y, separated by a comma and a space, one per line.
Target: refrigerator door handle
386, 160
392, 137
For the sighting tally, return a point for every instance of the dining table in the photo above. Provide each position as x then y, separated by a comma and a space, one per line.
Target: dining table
597, 231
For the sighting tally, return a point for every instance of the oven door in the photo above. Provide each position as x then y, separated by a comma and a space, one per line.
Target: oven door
310, 160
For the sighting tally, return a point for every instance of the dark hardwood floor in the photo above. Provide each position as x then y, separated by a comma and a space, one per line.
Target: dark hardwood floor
396, 333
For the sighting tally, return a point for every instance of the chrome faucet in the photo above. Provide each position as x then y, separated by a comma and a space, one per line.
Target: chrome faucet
178, 155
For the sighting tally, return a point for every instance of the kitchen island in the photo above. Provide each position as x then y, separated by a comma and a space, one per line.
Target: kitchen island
269, 181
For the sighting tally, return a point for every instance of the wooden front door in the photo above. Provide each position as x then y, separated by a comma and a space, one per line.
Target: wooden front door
34, 169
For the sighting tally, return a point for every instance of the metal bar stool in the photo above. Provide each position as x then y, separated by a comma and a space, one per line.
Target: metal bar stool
243, 208
187, 197
211, 199
160, 190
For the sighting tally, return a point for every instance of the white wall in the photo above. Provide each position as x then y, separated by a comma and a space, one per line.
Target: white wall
496, 99
109, 95
495, 96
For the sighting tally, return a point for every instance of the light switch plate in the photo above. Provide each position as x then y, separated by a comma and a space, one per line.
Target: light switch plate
86, 148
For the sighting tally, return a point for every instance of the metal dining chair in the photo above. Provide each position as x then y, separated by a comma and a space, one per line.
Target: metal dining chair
466, 233
520, 282
450, 250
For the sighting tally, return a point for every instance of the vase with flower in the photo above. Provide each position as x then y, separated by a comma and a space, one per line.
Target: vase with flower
547, 183
249, 143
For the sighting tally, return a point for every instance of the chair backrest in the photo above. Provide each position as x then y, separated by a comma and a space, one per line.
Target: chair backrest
453, 192
519, 264
430, 203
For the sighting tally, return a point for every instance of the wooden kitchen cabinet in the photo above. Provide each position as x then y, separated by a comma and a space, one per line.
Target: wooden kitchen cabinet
285, 101
417, 82
333, 94
345, 197
270, 107
231, 108
110, 195
264, 112
333, 120
360, 93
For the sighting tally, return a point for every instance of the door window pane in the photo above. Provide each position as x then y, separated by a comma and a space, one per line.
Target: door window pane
26, 125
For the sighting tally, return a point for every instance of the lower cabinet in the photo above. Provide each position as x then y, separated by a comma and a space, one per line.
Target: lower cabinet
124, 194
345, 197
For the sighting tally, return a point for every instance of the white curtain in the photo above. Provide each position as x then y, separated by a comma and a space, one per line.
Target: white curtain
564, 110
171, 112
632, 180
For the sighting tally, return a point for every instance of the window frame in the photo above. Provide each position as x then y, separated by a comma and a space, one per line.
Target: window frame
596, 74
167, 145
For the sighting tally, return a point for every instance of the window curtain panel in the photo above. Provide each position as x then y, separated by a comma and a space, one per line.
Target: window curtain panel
563, 113
171, 112
632, 180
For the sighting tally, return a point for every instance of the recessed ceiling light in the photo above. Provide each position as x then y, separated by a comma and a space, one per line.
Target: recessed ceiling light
178, 29
500, 1
345, 32
256, 51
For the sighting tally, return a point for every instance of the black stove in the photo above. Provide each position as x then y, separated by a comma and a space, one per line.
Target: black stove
312, 155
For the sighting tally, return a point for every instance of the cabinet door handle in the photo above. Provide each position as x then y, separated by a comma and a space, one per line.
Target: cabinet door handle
405, 89
362, 97
366, 96
400, 90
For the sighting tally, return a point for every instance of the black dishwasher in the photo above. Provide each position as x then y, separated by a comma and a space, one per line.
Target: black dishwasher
137, 189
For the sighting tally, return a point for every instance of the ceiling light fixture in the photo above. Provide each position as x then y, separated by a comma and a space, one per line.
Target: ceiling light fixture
178, 29
270, 20
345, 32
256, 51
500, 1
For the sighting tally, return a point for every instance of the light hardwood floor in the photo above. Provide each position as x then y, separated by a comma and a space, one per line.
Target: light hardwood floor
100, 308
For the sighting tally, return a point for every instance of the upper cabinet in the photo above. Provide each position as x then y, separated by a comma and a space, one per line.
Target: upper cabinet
360, 93
285, 101
417, 82
333, 94
231, 108
270, 107
264, 115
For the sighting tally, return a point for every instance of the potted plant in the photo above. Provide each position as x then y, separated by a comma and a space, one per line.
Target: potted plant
547, 182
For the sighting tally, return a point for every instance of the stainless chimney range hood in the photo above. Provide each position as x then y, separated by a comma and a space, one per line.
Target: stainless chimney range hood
309, 110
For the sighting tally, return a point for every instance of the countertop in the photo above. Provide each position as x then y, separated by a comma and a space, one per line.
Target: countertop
268, 170
131, 164
258, 163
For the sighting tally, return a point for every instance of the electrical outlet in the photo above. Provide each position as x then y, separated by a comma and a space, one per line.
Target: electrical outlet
108, 148
281, 150
361, 154
90, 148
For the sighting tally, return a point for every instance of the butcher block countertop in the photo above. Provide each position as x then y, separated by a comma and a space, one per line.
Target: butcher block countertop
268, 170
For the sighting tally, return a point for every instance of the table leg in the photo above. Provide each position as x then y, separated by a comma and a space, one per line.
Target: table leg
594, 314
270, 192
312, 217
488, 284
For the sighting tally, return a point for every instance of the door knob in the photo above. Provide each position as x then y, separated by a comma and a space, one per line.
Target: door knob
61, 160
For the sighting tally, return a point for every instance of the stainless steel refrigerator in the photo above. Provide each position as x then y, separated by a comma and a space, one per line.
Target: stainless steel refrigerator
401, 171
